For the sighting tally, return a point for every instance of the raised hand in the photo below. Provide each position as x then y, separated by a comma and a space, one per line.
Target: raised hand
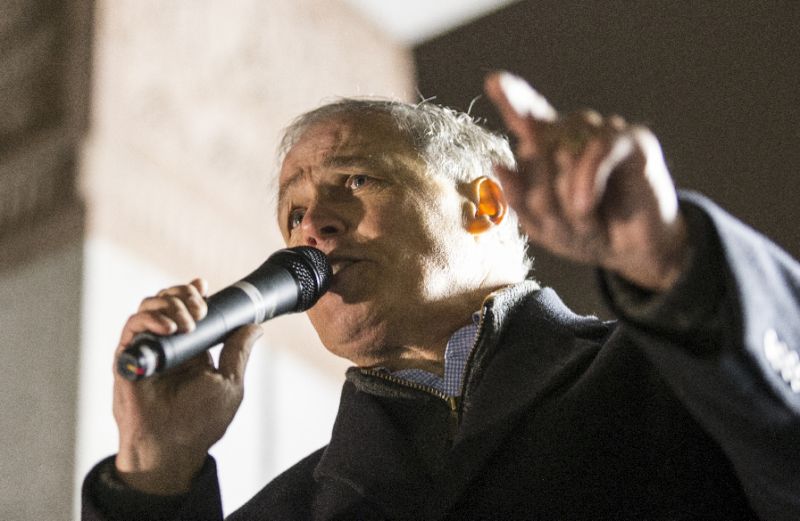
167, 423
590, 188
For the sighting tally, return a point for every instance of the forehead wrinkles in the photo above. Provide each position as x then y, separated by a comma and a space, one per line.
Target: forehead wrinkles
357, 140
314, 148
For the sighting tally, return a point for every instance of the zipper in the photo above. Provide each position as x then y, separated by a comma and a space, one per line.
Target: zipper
470, 358
453, 402
405, 383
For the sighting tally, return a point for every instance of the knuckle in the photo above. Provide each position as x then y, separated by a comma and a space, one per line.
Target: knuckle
591, 117
137, 318
175, 291
154, 316
197, 307
582, 118
142, 320
149, 302
576, 130
174, 303
132, 320
195, 299
616, 123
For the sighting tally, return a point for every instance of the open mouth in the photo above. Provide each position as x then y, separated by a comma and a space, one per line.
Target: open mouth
348, 276
338, 266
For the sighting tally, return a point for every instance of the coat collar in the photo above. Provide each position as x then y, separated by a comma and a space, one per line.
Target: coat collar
534, 346
529, 345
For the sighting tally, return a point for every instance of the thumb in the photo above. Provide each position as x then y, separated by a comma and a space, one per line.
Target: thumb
236, 351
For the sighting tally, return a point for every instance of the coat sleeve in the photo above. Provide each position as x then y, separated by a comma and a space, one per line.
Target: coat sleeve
726, 339
106, 498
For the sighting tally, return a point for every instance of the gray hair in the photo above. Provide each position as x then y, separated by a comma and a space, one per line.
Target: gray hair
451, 144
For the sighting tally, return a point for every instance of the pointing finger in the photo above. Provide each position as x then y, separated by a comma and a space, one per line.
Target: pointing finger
519, 97
524, 111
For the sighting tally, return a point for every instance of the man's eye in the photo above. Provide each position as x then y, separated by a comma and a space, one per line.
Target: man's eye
295, 218
354, 182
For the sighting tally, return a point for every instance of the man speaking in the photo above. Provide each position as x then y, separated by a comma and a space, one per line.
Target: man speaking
476, 394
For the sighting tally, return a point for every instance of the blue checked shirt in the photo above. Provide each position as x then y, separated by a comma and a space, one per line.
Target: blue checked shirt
455, 362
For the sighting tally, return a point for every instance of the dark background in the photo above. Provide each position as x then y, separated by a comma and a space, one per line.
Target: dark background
716, 81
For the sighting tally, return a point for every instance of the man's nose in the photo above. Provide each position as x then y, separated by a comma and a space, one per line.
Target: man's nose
321, 223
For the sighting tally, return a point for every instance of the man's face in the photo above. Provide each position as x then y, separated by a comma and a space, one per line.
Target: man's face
354, 188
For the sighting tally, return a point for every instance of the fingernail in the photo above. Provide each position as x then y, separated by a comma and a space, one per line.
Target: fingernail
525, 101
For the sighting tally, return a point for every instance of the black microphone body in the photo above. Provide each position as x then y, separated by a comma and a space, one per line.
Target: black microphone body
290, 280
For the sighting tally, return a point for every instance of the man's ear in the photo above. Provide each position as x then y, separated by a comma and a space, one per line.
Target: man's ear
489, 205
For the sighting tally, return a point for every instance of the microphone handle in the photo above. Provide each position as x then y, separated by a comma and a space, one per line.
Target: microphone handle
269, 291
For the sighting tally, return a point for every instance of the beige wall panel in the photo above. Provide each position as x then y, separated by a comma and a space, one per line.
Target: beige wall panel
40, 325
189, 99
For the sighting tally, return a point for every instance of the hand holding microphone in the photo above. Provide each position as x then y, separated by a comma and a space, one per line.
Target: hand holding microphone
167, 424
291, 280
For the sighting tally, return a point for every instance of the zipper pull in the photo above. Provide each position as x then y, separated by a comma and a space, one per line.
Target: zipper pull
454, 420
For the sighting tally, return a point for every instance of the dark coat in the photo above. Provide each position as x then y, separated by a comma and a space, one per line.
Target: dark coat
682, 410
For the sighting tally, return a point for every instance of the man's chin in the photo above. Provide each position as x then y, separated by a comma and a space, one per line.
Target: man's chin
340, 296
348, 330
340, 302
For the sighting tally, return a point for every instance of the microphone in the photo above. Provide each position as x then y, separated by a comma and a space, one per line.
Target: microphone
290, 280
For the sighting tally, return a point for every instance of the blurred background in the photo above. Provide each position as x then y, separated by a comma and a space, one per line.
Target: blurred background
137, 142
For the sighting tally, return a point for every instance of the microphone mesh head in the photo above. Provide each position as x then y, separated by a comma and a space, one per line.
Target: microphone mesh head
310, 268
